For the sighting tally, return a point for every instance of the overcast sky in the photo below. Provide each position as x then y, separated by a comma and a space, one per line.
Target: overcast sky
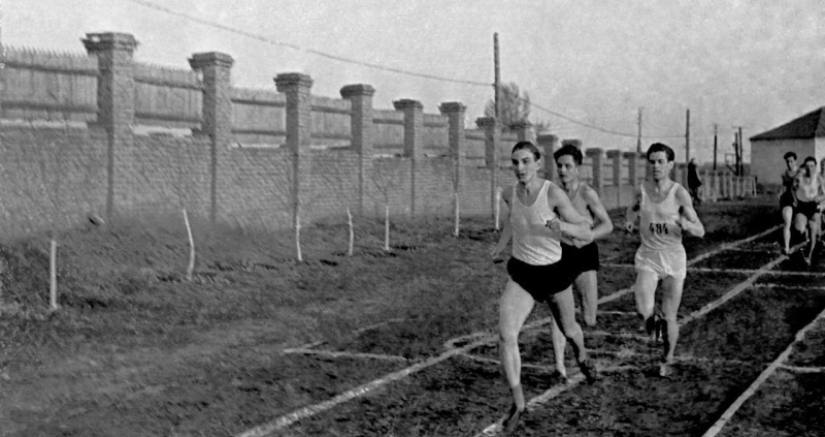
753, 63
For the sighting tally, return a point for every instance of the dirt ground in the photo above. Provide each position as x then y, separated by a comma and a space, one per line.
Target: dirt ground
136, 350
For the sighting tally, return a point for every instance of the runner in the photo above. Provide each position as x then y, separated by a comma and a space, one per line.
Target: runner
581, 256
808, 189
539, 215
666, 211
787, 201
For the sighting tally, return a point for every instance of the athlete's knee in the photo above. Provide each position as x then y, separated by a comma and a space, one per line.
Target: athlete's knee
508, 337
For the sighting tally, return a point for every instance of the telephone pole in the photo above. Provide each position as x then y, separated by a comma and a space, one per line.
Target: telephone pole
687, 137
741, 153
639, 137
497, 133
715, 143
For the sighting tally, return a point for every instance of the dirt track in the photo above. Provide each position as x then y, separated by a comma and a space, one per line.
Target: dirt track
155, 361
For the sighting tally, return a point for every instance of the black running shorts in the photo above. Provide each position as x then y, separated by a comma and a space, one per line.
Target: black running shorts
581, 259
808, 209
541, 282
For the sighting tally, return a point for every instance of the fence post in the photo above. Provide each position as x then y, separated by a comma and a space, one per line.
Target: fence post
548, 144
362, 130
115, 104
216, 70
297, 87
595, 155
413, 139
632, 168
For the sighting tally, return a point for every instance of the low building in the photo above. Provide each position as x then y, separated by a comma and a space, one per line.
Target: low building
804, 136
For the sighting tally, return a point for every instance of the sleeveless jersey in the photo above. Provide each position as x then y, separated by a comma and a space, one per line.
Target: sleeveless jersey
533, 242
787, 180
660, 229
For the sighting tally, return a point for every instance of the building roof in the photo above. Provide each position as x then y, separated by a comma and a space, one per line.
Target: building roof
810, 125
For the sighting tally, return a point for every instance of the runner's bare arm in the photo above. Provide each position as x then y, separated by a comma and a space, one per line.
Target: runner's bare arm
632, 213
507, 231
689, 219
572, 224
603, 225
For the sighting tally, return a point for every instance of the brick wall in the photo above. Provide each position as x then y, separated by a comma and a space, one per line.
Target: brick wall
254, 158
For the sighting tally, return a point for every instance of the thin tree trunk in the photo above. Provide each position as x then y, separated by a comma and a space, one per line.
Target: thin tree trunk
53, 275
190, 269
351, 233
457, 214
387, 227
498, 208
298, 237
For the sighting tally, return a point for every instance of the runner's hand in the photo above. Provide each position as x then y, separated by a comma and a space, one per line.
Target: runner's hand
629, 228
554, 225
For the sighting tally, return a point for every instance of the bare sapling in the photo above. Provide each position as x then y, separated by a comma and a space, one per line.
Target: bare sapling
387, 227
457, 211
298, 237
351, 233
53, 274
190, 268
497, 208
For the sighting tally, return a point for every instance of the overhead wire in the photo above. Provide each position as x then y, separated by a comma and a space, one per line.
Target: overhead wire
379, 66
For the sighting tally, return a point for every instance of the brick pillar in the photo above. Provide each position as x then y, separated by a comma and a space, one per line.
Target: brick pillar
616, 157
413, 126
595, 155
523, 130
572, 142
115, 106
454, 111
297, 87
548, 143
413, 140
216, 70
363, 133
492, 137
632, 168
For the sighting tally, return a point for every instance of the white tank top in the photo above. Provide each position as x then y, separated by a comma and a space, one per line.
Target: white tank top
660, 228
533, 242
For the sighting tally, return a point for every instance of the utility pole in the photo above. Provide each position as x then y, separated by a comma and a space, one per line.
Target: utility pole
738, 149
741, 153
639, 137
497, 134
687, 137
715, 143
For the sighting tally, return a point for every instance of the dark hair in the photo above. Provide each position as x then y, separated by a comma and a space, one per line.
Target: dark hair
659, 147
521, 145
569, 149
789, 155
810, 158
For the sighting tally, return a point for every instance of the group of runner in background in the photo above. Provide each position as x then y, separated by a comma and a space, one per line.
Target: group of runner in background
553, 229
801, 202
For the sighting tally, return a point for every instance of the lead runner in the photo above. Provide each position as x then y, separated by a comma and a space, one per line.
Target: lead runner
666, 211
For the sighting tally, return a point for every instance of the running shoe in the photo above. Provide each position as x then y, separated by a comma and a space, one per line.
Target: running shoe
665, 370
588, 369
511, 421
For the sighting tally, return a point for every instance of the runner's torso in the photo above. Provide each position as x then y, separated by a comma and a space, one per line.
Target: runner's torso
533, 242
808, 188
660, 228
